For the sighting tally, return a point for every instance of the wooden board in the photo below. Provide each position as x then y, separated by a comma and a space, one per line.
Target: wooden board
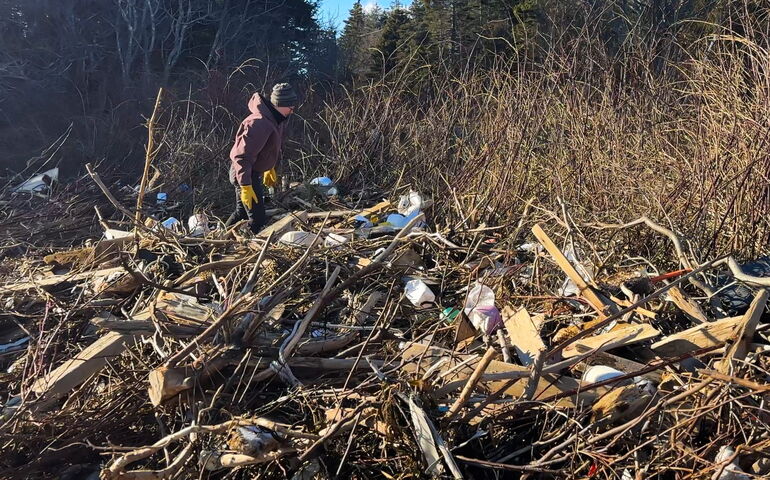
621, 404
184, 309
383, 205
81, 367
331, 214
620, 337
103, 251
116, 284
136, 326
619, 363
524, 333
600, 305
687, 305
78, 256
744, 332
700, 336
548, 385
56, 280
283, 225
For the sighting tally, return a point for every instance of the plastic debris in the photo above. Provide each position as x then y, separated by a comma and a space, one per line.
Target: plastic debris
419, 293
198, 224
362, 222
13, 346
396, 220
449, 314
732, 471
112, 234
305, 239
410, 204
298, 239
569, 288
170, 223
327, 185
600, 373
40, 183
161, 198
322, 181
481, 310
334, 240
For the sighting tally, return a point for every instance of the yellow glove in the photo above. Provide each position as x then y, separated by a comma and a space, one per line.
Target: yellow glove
248, 197
269, 178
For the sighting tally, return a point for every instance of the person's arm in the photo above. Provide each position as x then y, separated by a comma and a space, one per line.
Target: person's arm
249, 141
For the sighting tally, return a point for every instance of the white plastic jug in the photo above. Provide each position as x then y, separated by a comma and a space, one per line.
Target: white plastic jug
419, 293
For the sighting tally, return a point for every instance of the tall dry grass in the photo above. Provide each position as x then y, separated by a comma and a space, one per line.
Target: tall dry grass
680, 136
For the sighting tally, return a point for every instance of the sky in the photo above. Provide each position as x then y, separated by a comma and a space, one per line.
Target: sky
336, 11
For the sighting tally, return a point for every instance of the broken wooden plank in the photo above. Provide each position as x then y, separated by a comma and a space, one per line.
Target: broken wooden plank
81, 367
597, 302
619, 363
184, 309
78, 256
641, 311
524, 333
101, 252
706, 335
283, 225
462, 367
54, 281
621, 337
473, 380
686, 304
137, 326
331, 214
744, 332
168, 382
116, 284
383, 205
621, 404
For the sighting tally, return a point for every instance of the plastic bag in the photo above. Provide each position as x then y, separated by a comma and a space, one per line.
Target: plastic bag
481, 310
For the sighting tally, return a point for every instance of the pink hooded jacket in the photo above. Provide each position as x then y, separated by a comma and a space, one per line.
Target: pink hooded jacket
258, 142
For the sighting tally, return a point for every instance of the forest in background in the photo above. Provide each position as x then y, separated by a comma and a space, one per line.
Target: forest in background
617, 108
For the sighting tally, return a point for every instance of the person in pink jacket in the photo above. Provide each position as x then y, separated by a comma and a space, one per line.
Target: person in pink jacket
255, 153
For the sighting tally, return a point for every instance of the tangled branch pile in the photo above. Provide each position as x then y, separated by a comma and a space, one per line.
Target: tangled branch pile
162, 355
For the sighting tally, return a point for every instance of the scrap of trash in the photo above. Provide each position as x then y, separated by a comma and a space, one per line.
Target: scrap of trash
364, 342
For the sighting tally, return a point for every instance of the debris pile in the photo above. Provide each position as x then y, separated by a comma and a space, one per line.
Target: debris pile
363, 343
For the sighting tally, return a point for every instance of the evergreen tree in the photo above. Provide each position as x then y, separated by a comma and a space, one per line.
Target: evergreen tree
392, 47
352, 45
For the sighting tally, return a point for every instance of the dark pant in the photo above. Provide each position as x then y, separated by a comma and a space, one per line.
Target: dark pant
256, 214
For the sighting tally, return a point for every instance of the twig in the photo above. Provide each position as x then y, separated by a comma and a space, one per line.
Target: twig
471, 383
149, 155
505, 466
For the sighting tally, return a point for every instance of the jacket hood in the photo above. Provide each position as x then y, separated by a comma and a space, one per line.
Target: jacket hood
261, 107
257, 105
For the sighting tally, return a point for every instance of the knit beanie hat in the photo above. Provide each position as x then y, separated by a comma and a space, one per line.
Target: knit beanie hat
283, 96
